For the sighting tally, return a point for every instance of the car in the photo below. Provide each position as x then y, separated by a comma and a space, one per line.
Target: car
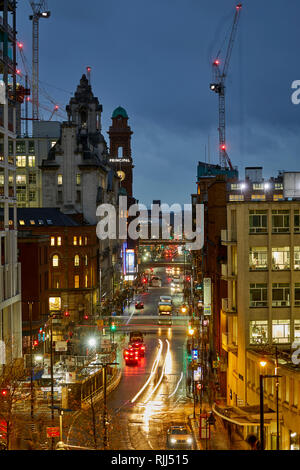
139, 305
131, 356
166, 299
139, 347
156, 281
179, 437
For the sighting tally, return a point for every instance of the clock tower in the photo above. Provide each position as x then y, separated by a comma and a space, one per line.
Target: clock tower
120, 148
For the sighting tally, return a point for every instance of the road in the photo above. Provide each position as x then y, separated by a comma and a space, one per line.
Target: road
152, 395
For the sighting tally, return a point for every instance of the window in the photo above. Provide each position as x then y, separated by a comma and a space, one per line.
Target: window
297, 294
59, 241
280, 221
74, 240
258, 295
21, 162
32, 178
235, 187
49, 221
76, 260
86, 260
236, 197
80, 240
78, 196
21, 179
85, 240
278, 197
76, 282
86, 281
258, 332
297, 220
21, 222
31, 148
296, 257
281, 258
54, 303
278, 186
53, 142
21, 195
55, 261
281, 331
258, 221
258, 258
59, 196
258, 186
297, 329
41, 222
31, 161
280, 295
59, 180
52, 241
78, 179
32, 222
258, 197
32, 196
20, 146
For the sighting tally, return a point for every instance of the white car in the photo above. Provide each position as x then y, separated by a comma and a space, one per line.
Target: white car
156, 281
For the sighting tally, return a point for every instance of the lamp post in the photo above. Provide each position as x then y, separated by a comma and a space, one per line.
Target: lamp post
31, 363
261, 402
104, 418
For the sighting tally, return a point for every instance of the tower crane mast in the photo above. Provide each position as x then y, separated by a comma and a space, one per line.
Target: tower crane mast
218, 86
40, 10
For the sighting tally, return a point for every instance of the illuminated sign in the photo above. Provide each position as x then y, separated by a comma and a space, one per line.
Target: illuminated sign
207, 295
130, 261
119, 160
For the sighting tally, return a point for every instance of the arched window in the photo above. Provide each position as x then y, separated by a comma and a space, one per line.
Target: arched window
55, 261
76, 260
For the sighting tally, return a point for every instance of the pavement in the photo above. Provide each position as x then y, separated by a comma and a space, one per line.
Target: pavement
219, 437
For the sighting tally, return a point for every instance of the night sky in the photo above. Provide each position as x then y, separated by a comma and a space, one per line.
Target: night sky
154, 59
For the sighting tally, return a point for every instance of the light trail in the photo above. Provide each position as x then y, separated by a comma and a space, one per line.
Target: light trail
176, 388
162, 373
152, 373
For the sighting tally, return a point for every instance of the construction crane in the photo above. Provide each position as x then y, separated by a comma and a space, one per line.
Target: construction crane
40, 10
218, 86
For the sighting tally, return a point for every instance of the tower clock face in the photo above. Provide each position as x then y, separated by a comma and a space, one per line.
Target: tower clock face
121, 175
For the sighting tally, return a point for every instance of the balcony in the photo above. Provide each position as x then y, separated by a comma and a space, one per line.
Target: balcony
228, 237
227, 306
228, 342
225, 273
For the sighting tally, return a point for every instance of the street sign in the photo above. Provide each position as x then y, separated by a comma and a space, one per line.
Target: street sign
61, 346
52, 432
195, 354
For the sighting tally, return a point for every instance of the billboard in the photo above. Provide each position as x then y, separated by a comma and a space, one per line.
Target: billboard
291, 184
207, 295
129, 261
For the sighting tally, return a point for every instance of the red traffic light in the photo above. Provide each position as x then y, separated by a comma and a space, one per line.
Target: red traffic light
86, 317
67, 314
35, 342
4, 392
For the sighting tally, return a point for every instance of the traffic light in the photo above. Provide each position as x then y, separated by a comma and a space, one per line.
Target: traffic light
4, 393
85, 317
113, 326
183, 309
191, 330
67, 313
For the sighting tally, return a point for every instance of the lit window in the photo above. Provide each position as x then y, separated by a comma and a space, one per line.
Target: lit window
41, 222
32, 222
31, 161
52, 241
55, 261
236, 197
281, 331
258, 332
258, 186
74, 240
20, 146
258, 197
78, 179
281, 258
76, 260
59, 180
59, 241
85, 240
80, 240
278, 186
76, 282
21, 222
258, 258
21, 179
21, 161
278, 197
86, 260
86, 280
235, 187
53, 143
54, 303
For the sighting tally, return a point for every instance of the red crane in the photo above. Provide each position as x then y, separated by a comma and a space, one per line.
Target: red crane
218, 86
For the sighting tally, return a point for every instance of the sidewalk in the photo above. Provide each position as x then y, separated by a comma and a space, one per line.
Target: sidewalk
219, 437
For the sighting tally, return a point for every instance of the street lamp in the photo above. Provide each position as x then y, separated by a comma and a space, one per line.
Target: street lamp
263, 363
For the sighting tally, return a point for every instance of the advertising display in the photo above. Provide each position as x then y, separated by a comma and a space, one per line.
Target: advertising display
207, 295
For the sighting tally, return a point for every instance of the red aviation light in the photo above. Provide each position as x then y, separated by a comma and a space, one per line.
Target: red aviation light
239, 6
216, 62
223, 147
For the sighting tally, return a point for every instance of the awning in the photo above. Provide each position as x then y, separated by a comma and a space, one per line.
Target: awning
244, 416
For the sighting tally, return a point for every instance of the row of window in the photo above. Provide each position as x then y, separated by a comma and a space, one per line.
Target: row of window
20, 179
258, 221
77, 240
256, 186
56, 260
259, 331
254, 197
23, 161
258, 258
21, 146
60, 179
280, 295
